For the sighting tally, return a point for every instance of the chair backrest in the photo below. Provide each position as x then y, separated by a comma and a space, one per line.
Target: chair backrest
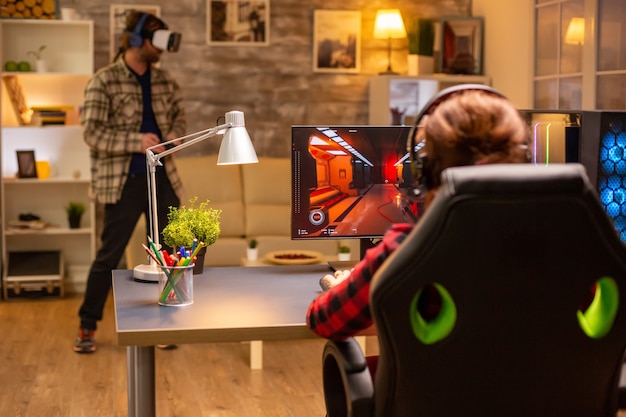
517, 248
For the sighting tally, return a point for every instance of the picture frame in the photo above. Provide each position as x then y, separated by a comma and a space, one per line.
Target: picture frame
238, 23
337, 41
117, 22
27, 168
461, 45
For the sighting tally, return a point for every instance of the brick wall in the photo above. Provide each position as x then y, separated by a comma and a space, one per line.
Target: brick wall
274, 85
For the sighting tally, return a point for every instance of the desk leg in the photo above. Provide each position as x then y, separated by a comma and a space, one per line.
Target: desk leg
141, 384
256, 354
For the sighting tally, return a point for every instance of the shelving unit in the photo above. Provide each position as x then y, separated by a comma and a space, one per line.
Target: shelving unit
69, 53
408, 94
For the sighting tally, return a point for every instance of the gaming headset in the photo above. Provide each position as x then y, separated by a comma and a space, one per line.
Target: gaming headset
420, 168
161, 38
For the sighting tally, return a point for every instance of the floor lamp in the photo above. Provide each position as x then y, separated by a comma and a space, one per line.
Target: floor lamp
389, 25
236, 148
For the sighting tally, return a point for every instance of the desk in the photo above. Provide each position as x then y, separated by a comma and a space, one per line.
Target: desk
231, 304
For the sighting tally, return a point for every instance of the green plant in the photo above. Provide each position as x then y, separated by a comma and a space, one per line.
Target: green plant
75, 209
343, 248
38, 53
190, 222
421, 35
252, 244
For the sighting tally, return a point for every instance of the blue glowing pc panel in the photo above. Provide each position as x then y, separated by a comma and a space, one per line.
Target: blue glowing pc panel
603, 153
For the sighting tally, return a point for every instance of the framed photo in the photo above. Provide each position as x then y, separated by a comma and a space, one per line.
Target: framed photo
461, 45
234, 22
337, 41
27, 168
117, 22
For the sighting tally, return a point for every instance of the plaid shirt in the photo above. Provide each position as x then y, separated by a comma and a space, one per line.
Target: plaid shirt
111, 122
343, 310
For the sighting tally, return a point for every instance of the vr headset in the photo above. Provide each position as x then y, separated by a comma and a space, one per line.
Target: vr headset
166, 40
163, 39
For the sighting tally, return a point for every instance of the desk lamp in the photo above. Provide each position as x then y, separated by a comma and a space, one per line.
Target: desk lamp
236, 148
389, 25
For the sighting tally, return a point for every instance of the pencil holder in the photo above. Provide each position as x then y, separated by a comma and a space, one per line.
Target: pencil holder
175, 285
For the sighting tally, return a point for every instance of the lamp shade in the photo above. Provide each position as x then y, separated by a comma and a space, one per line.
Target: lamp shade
236, 145
575, 34
389, 24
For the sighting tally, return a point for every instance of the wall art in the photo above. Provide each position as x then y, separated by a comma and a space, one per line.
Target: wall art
337, 41
461, 45
237, 23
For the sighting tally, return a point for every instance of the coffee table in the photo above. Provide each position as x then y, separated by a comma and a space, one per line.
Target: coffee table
231, 304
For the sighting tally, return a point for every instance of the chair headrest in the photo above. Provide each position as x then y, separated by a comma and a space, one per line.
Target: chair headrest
515, 178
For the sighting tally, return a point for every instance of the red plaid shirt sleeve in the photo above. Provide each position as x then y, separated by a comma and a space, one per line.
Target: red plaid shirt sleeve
343, 310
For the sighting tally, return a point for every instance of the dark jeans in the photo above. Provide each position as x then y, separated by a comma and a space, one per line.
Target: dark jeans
119, 222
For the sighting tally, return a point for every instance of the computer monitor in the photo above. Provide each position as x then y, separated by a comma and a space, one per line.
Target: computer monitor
350, 182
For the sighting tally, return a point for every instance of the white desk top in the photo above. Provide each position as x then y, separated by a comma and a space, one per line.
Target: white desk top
230, 304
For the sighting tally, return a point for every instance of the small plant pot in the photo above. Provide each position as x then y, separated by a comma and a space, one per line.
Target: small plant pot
420, 64
74, 222
42, 65
199, 265
68, 13
343, 256
252, 254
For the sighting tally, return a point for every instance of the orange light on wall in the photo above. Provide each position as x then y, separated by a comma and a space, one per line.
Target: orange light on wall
575, 34
389, 25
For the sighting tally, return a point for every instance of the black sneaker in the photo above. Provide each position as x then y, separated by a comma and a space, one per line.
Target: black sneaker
85, 342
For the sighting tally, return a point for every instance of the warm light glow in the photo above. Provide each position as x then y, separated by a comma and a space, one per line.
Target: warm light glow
389, 25
575, 34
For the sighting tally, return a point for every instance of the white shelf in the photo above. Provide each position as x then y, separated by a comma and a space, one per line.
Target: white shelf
69, 44
69, 53
35, 181
49, 231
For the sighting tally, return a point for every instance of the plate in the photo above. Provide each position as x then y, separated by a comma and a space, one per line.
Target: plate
294, 257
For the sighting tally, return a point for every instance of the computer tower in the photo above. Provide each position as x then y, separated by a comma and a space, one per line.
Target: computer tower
594, 138
603, 153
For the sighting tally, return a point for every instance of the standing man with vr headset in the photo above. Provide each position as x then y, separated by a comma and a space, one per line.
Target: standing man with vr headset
129, 106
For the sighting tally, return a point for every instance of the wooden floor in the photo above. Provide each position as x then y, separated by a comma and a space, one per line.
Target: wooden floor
40, 375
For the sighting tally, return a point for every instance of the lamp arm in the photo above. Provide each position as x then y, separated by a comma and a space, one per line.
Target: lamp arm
154, 159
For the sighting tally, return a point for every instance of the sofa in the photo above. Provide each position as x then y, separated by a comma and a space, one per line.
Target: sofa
255, 200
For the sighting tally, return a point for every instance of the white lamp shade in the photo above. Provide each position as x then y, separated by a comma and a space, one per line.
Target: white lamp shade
236, 145
389, 25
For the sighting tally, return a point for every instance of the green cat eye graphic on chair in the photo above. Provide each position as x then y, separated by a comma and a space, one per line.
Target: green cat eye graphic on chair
432, 331
597, 320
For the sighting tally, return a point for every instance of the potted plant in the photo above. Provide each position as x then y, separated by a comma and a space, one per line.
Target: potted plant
421, 36
189, 226
252, 251
42, 64
74, 212
343, 252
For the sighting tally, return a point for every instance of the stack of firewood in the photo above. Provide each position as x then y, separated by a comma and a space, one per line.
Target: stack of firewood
28, 9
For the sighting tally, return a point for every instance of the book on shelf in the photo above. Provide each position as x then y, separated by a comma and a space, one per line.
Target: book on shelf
50, 115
